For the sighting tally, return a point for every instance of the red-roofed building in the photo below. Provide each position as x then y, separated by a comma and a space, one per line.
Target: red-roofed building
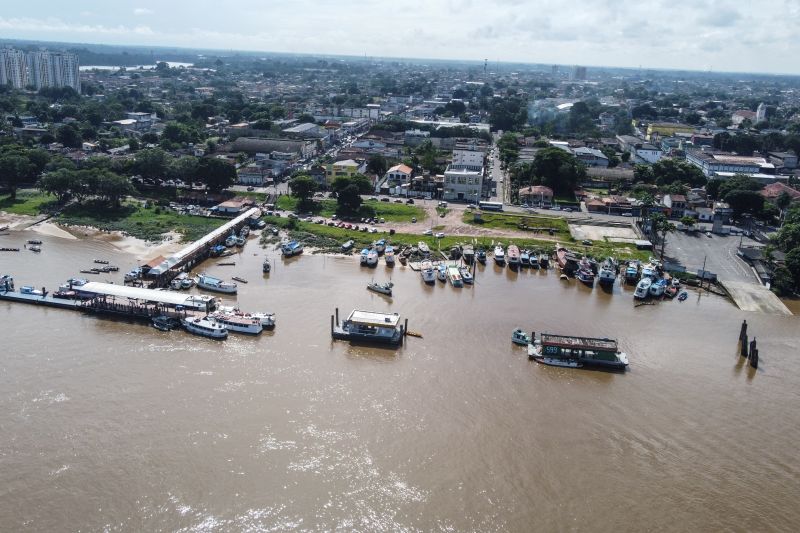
399, 174
540, 195
772, 191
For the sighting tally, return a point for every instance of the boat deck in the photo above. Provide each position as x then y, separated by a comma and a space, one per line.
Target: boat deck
580, 343
35, 299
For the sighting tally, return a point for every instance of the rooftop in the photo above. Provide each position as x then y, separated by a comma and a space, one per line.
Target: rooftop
369, 318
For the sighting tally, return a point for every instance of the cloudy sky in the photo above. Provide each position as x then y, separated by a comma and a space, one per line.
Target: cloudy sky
730, 35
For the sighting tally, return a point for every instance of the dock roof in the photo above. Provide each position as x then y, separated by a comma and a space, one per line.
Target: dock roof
581, 343
134, 293
381, 320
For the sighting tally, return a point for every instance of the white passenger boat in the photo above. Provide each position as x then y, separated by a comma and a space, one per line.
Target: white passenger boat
238, 323
372, 257
187, 283
427, 272
423, 248
441, 273
177, 282
499, 255
466, 275
455, 277
267, 319
388, 255
210, 283
642, 288
658, 287
205, 328
73, 283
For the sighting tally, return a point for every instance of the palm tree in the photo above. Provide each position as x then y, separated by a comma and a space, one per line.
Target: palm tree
662, 225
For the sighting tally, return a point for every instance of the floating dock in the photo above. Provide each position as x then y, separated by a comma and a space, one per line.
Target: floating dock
368, 327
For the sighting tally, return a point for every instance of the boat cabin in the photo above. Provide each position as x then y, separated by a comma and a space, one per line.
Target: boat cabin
368, 326
579, 347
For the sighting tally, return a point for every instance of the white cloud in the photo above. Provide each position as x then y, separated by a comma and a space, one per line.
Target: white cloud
54, 25
139, 11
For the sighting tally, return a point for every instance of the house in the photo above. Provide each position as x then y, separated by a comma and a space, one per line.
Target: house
772, 191
784, 160
416, 137
676, 204
704, 214
591, 157
347, 168
539, 195
399, 174
462, 184
468, 160
641, 152
252, 174
231, 207
656, 130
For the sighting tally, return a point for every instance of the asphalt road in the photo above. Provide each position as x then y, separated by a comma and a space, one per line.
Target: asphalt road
719, 252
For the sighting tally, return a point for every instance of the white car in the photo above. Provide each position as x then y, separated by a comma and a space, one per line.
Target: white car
428, 232
440, 235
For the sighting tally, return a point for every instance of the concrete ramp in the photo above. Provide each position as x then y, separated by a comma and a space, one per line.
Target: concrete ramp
755, 297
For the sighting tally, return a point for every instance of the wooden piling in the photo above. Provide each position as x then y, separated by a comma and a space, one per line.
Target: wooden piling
337, 316
405, 328
743, 346
754, 358
331, 324
743, 330
753, 347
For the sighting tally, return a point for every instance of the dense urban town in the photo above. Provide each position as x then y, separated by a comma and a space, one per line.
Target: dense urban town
671, 151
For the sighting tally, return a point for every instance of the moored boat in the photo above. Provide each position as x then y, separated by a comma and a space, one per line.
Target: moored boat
164, 323
642, 289
372, 258
468, 253
585, 276
347, 246
211, 283
230, 241
481, 256
266, 266
499, 255
363, 256
544, 260
238, 323
382, 288
291, 248
512, 255
466, 275
658, 287
427, 272
380, 245
441, 273
388, 255
423, 248
608, 273
518, 336
455, 277
577, 352
205, 328
632, 272
369, 327
524, 258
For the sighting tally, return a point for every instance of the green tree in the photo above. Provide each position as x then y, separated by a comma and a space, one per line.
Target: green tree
688, 221
377, 164
60, 183
782, 202
215, 173
303, 188
69, 136
151, 163
558, 169
184, 169
788, 237
793, 265
349, 200
782, 281
662, 226
113, 187
15, 170
738, 182
744, 201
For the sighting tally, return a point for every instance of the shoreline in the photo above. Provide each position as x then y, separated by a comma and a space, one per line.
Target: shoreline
134, 246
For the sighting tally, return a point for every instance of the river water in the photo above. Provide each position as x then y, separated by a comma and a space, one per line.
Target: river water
108, 425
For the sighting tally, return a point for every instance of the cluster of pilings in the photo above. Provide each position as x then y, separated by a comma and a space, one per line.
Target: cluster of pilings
748, 350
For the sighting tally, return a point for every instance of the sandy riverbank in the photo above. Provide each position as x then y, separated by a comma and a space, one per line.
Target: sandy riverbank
142, 250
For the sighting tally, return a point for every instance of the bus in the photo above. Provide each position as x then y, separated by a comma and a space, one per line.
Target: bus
491, 206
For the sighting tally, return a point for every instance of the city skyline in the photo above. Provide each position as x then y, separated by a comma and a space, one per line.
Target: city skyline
720, 35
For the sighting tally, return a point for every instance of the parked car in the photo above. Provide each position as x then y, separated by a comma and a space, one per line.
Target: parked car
413, 220
440, 235
385, 200
410, 201
627, 215
251, 188
428, 232
586, 242
398, 201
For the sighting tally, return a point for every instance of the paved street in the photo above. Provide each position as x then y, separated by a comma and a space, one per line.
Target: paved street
719, 251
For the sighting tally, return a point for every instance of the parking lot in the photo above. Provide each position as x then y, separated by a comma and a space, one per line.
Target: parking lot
719, 252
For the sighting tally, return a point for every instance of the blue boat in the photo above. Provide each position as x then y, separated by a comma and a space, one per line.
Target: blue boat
364, 254
291, 248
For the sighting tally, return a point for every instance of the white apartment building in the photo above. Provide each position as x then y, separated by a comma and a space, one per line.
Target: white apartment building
54, 69
462, 184
13, 69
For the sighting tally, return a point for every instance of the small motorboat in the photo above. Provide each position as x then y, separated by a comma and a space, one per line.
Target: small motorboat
35, 248
481, 256
187, 283
441, 273
266, 266
383, 288
466, 275
518, 336
237, 278
34, 241
101, 261
164, 323
682, 296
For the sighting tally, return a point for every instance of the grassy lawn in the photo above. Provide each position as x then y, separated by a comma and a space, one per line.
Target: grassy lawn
133, 219
389, 211
532, 223
27, 203
330, 239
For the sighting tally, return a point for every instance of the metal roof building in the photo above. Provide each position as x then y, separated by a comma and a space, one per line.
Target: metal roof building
144, 295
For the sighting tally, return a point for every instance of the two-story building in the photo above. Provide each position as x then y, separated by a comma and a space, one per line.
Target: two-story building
676, 204
462, 184
538, 195
399, 174
347, 168
591, 157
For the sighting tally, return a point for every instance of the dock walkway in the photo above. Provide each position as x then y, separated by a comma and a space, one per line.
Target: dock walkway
755, 297
34, 299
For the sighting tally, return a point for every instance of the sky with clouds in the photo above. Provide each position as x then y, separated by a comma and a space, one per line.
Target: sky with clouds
726, 35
